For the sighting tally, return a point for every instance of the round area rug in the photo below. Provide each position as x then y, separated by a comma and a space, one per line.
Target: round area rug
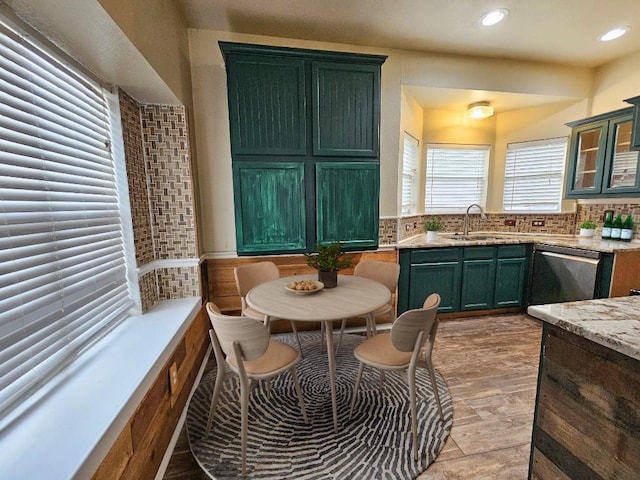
374, 444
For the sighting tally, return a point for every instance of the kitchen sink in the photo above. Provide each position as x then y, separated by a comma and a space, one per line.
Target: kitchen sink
472, 237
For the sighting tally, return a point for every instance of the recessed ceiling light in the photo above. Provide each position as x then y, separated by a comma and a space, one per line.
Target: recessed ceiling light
494, 16
614, 33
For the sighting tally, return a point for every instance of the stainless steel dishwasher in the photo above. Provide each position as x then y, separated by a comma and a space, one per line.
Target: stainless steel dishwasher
563, 274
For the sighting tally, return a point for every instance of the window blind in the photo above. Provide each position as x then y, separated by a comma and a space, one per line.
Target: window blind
62, 263
456, 177
533, 175
409, 174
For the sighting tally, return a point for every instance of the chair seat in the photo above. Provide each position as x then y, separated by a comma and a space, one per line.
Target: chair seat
379, 351
277, 357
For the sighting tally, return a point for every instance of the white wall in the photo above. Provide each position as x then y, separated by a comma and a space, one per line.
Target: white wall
614, 82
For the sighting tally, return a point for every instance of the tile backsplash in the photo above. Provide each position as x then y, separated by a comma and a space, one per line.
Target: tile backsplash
553, 223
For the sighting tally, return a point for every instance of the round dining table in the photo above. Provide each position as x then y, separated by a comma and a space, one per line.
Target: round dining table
352, 297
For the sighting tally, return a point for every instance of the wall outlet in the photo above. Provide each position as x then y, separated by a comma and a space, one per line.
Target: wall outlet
173, 382
538, 223
510, 222
406, 227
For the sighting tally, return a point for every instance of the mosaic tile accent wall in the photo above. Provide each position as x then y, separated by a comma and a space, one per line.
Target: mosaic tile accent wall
387, 231
595, 212
148, 290
178, 282
156, 140
166, 146
137, 179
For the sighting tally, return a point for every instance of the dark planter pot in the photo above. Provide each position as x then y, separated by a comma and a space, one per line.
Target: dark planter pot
330, 279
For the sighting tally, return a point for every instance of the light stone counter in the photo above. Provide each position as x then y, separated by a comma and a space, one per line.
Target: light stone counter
610, 322
501, 238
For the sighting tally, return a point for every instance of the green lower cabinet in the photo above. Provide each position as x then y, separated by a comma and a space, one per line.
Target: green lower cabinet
467, 278
511, 282
442, 278
477, 284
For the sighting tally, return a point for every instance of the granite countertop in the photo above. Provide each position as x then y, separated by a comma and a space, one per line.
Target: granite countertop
500, 238
611, 322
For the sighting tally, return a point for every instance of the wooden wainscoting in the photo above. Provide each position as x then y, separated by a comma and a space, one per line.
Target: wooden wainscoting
221, 283
140, 447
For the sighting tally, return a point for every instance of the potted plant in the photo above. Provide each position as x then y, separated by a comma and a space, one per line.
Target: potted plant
432, 226
328, 261
587, 228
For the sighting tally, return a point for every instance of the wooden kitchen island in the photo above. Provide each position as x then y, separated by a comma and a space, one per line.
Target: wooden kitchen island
587, 417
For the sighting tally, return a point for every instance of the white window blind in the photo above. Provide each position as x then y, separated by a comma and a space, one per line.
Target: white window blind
533, 175
409, 174
456, 177
62, 264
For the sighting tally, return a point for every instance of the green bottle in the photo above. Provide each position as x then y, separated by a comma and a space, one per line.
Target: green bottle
606, 227
626, 234
616, 230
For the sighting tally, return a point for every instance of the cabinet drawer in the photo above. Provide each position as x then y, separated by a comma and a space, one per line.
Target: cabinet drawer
479, 253
512, 251
435, 255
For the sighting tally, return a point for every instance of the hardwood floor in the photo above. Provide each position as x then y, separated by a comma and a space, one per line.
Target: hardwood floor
490, 365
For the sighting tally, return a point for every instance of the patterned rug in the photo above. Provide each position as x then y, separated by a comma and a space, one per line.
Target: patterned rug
374, 444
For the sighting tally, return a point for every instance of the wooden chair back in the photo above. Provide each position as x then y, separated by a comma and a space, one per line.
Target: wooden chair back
253, 274
251, 336
411, 330
387, 273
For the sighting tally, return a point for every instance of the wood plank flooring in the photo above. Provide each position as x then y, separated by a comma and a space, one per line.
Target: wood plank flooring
490, 364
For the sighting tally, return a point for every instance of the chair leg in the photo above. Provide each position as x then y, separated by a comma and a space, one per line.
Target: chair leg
295, 331
355, 388
434, 384
220, 374
296, 384
414, 415
244, 415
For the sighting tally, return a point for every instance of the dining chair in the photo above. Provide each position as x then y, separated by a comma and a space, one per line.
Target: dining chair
407, 346
386, 273
252, 275
247, 348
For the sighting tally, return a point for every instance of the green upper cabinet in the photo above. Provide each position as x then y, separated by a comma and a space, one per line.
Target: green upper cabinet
303, 126
270, 206
635, 133
345, 109
341, 213
601, 161
267, 106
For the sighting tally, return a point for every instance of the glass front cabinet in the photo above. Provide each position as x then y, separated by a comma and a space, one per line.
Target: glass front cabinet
601, 160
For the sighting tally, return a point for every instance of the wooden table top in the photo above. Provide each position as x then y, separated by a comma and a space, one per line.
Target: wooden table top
353, 297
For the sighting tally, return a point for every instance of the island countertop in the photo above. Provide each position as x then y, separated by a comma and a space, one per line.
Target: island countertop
611, 322
446, 239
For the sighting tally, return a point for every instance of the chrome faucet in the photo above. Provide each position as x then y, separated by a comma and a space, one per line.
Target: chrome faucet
483, 216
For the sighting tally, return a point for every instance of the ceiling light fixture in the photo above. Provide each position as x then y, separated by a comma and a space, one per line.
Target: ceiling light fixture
614, 33
494, 16
479, 110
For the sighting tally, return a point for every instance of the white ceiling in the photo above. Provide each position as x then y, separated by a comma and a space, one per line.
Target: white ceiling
559, 31
550, 31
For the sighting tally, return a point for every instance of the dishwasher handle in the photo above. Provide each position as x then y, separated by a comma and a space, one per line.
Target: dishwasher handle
573, 252
573, 258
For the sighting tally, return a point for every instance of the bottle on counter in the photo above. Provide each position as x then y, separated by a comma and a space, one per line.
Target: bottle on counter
606, 227
626, 234
616, 230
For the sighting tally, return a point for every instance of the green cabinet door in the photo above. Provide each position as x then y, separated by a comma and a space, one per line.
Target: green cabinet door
511, 282
477, 284
438, 277
267, 105
347, 203
346, 109
270, 206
